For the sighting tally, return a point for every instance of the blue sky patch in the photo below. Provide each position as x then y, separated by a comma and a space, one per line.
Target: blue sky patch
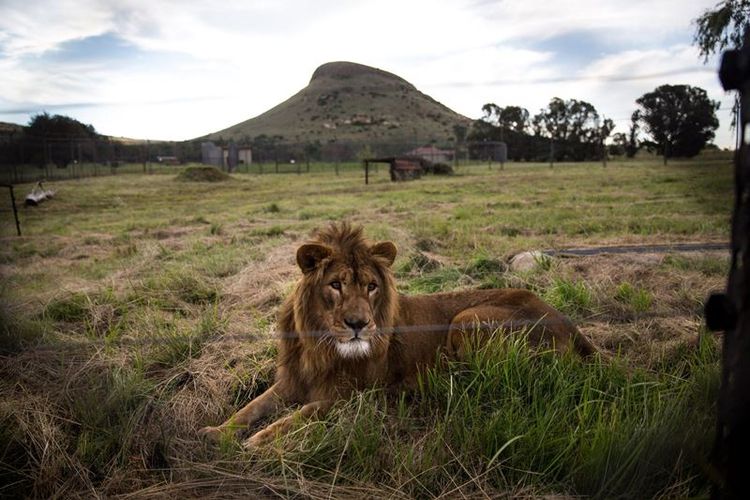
106, 47
578, 48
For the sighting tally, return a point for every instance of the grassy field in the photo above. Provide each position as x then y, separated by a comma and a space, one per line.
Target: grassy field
138, 308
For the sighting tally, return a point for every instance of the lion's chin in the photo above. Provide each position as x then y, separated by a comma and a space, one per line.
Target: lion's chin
355, 348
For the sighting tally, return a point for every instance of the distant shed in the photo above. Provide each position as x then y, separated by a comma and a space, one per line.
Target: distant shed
402, 168
226, 156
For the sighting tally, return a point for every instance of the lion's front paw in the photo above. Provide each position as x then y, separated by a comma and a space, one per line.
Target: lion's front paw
211, 434
258, 439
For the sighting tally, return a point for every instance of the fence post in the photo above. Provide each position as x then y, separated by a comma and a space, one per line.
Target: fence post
15, 210
551, 153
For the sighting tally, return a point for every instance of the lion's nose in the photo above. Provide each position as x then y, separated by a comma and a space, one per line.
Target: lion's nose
356, 324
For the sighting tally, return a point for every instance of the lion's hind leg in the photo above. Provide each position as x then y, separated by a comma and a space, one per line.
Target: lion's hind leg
547, 329
473, 327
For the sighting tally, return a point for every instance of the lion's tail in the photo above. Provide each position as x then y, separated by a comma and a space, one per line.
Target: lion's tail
581, 344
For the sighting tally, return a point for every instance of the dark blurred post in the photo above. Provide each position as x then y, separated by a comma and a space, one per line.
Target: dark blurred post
730, 312
15, 210
551, 153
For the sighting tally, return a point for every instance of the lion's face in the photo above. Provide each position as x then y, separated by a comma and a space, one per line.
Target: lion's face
347, 291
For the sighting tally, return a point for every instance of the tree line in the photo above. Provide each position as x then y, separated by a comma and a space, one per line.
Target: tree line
671, 120
60, 140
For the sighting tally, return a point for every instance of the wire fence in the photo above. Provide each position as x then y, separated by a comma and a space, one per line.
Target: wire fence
33, 159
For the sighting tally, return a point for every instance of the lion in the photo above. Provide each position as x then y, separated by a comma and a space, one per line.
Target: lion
346, 328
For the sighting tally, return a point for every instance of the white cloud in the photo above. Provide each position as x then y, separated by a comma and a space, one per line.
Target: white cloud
32, 27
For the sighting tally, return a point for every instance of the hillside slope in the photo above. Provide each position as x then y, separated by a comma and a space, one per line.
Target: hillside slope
346, 101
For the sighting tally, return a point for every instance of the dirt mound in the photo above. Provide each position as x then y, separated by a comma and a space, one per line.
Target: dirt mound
203, 174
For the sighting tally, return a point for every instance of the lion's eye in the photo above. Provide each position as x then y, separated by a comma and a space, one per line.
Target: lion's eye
336, 285
371, 287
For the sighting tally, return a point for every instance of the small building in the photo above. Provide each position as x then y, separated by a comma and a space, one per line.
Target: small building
432, 154
225, 156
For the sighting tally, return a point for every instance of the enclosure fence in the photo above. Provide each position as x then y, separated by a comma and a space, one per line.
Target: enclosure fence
26, 159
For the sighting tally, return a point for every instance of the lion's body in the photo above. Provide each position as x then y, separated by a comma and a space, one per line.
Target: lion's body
345, 328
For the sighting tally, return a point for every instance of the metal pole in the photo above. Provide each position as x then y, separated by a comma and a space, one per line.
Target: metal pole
15, 210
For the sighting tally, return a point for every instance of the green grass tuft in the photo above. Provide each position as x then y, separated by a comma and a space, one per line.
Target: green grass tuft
639, 299
71, 308
441, 280
268, 231
574, 298
18, 333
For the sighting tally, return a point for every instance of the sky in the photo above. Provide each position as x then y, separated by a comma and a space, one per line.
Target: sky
176, 70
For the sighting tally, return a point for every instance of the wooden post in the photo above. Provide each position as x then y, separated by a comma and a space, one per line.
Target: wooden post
15, 210
367, 171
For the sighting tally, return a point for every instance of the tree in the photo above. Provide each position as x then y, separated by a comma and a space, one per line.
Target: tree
514, 118
491, 113
632, 145
619, 144
59, 139
722, 27
570, 120
573, 125
59, 127
509, 118
679, 118
602, 132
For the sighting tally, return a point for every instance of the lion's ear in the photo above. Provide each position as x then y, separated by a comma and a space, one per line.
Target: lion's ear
385, 250
309, 256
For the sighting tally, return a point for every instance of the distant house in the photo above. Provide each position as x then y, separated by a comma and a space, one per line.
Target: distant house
432, 154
